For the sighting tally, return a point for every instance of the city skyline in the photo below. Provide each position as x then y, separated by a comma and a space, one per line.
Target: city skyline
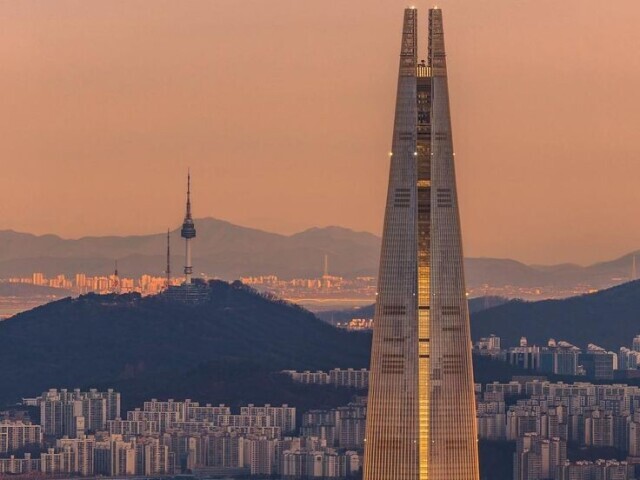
332, 305
120, 101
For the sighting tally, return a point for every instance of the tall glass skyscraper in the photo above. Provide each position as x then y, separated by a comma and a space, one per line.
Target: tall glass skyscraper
421, 420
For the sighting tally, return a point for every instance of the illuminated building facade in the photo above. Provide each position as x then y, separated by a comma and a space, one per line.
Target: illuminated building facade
421, 411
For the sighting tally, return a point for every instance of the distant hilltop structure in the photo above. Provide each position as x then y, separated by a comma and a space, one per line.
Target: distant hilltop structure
188, 232
115, 280
189, 291
327, 280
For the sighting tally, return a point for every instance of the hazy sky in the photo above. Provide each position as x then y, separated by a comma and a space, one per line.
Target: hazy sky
283, 110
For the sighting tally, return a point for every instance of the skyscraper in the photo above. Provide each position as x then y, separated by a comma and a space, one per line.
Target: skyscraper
421, 411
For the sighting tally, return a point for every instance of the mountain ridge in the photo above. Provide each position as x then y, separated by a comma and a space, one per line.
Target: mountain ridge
113, 338
139, 342
228, 251
609, 318
221, 248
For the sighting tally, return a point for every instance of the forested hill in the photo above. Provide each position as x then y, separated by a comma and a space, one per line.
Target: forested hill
97, 339
228, 348
609, 318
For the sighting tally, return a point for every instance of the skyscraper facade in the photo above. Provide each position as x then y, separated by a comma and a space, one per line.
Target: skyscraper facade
421, 411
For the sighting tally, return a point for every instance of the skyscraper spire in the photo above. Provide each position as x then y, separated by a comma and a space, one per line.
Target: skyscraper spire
188, 232
421, 421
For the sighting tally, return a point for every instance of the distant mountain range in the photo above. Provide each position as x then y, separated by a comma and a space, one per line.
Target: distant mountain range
221, 249
229, 251
496, 272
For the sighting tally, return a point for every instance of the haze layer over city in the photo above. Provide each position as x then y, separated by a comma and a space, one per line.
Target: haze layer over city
283, 111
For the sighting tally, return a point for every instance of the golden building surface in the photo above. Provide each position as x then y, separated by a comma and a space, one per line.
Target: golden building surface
421, 421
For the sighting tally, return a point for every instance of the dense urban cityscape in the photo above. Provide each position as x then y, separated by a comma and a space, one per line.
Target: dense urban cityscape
330, 353
84, 432
323, 292
563, 358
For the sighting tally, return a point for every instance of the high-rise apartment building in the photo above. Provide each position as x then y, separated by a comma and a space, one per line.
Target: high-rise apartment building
538, 458
152, 458
81, 453
15, 435
283, 417
421, 413
114, 457
70, 413
598, 363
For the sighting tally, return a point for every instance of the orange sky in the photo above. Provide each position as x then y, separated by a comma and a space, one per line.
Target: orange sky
283, 110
